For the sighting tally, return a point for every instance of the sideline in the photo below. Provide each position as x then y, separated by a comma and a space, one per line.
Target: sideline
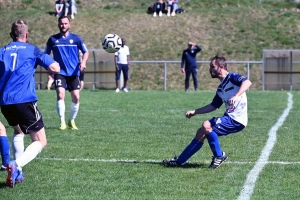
252, 176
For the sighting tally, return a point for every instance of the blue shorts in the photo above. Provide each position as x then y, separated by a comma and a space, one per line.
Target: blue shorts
225, 125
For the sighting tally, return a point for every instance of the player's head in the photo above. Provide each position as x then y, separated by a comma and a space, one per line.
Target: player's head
64, 24
19, 31
123, 42
190, 45
217, 64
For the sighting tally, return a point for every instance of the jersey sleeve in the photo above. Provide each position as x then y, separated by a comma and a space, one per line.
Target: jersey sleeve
48, 46
42, 58
237, 79
217, 101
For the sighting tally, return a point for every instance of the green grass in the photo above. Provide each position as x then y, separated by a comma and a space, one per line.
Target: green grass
147, 127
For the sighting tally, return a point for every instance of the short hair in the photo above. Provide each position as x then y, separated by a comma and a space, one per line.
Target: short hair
63, 17
220, 60
18, 29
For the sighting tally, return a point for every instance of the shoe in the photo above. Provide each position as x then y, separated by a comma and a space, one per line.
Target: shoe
72, 16
12, 173
63, 126
20, 177
117, 90
154, 14
160, 13
217, 161
72, 125
171, 163
168, 14
3, 168
125, 90
173, 14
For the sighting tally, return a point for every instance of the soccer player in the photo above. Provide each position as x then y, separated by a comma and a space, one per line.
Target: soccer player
122, 58
18, 99
231, 92
65, 47
189, 64
4, 147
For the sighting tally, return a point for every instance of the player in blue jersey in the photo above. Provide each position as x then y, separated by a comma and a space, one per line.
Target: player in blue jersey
65, 47
189, 64
4, 147
18, 99
231, 92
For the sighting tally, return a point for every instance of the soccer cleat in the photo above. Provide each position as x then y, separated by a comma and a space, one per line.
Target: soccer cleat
20, 177
3, 168
217, 161
160, 13
72, 125
154, 14
63, 126
12, 173
117, 90
125, 90
171, 163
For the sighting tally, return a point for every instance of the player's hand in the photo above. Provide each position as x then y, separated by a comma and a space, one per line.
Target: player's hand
190, 113
182, 70
232, 100
82, 66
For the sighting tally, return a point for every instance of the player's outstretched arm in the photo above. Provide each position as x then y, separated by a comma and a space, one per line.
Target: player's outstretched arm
206, 109
54, 68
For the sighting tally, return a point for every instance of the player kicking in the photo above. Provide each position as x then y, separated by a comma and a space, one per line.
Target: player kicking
232, 92
18, 100
65, 47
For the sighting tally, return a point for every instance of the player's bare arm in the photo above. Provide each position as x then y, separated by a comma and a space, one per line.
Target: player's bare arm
54, 68
84, 60
244, 87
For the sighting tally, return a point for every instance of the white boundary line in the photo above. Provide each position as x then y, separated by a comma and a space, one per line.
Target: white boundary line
252, 176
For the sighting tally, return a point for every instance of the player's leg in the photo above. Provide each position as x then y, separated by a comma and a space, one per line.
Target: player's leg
74, 87
50, 81
4, 147
60, 85
81, 78
195, 79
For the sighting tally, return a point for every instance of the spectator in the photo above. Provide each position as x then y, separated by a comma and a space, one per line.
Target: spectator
189, 64
59, 7
122, 58
158, 8
71, 4
172, 7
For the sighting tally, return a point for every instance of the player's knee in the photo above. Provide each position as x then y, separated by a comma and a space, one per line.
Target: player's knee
206, 127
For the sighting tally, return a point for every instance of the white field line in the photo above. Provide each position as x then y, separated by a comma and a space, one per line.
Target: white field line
156, 161
252, 176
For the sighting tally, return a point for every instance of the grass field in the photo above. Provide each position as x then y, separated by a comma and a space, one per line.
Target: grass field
123, 137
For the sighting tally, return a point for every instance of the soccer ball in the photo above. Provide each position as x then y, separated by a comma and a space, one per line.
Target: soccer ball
111, 43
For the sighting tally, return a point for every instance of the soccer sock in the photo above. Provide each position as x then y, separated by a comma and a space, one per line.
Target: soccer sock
190, 150
213, 141
30, 153
5, 150
18, 145
73, 110
60, 106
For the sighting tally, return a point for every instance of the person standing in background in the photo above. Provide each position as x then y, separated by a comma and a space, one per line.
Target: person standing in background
122, 59
65, 47
189, 64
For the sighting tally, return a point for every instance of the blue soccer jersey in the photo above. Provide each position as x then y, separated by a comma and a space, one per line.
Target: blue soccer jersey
226, 90
65, 52
18, 62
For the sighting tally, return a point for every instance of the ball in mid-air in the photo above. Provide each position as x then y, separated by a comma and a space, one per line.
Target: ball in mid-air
111, 43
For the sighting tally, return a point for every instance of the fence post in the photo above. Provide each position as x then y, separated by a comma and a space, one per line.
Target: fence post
165, 76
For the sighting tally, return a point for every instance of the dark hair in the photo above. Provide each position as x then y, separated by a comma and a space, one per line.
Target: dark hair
18, 29
220, 60
63, 17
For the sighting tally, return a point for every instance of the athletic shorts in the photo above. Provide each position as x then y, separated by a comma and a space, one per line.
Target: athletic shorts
225, 125
26, 115
81, 77
69, 82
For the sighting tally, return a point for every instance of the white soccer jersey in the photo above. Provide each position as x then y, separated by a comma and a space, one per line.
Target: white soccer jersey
122, 55
226, 90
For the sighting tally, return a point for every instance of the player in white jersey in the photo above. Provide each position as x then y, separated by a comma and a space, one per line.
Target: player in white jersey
231, 92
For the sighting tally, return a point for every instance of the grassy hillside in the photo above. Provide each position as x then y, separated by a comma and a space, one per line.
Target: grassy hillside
239, 29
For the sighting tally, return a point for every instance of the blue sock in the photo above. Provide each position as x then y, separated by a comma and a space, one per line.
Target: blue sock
5, 150
213, 141
190, 150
